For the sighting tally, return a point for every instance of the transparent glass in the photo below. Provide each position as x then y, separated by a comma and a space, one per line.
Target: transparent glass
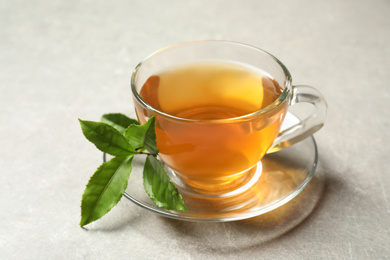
221, 158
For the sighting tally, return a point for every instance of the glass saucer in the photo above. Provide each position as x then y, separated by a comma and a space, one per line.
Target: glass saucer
285, 174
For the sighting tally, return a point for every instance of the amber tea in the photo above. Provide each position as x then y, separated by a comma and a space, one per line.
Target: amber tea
206, 146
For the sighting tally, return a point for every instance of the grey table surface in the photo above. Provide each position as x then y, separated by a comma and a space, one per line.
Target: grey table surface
63, 60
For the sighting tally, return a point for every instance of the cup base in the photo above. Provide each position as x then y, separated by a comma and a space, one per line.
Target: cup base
217, 188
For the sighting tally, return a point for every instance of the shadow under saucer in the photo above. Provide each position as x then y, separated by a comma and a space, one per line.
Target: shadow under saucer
229, 236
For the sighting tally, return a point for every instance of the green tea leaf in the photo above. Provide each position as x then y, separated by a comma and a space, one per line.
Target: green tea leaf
105, 188
119, 121
143, 136
108, 183
106, 138
150, 137
159, 187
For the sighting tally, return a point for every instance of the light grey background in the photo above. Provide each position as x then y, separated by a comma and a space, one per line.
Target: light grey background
63, 60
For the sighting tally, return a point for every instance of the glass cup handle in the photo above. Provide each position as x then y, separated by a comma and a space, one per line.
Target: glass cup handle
309, 125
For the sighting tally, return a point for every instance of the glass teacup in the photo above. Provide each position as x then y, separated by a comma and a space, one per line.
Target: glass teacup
219, 107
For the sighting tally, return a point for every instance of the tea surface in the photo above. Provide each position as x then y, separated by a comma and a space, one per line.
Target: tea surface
210, 91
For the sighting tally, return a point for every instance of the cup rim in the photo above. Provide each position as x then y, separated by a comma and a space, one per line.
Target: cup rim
282, 97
